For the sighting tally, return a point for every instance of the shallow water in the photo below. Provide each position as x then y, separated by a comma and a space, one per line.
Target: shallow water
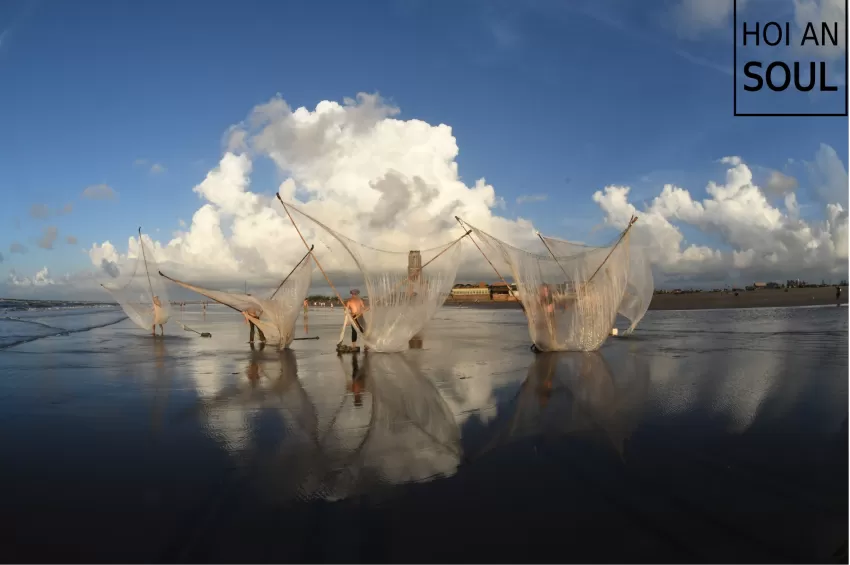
706, 436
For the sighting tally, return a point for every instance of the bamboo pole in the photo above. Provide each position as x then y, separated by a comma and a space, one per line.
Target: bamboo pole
510, 291
290, 272
282, 203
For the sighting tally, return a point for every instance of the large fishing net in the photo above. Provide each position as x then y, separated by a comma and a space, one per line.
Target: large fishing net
138, 289
640, 286
276, 315
401, 290
570, 293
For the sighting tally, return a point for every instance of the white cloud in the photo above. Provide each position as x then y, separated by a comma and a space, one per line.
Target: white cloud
819, 12
531, 198
828, 176
41, 278
764, 240
156, 169
71, 240
691, 18
388, 183
780, 183
394, 184
99, 192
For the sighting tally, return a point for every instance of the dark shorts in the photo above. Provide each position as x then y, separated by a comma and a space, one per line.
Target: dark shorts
358, 324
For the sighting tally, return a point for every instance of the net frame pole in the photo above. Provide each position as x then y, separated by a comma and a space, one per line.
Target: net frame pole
510, 290
318, 264
145, 259
632, 221
280, 286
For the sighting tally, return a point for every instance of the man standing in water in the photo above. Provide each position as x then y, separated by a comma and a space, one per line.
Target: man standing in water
306, 327
252, 316
356, 308
157, 316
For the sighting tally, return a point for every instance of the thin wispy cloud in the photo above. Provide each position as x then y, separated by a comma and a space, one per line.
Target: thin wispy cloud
156, 168
527, 198
66, 209
17, 248
71, 240
39, 211
48, 237
99, 192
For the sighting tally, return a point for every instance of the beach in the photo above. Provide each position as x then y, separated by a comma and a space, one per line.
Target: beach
707, 435
762, 298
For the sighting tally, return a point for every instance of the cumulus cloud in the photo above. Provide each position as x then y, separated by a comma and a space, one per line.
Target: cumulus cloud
780, 184
41, 278
99, 192
39, 211
71, 240
531, 198
394, 184
761, 239
48, 237
17, 248
389, 183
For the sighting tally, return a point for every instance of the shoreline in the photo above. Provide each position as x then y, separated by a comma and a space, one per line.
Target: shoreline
766, 298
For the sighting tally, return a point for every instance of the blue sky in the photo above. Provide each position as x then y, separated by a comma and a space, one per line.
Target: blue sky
550, 98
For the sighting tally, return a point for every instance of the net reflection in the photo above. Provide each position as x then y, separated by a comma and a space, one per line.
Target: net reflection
389, 425
567, 393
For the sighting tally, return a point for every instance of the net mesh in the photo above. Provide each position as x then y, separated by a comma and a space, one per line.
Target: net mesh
138, 290
571, 300
401, 290
275, 315
640, 285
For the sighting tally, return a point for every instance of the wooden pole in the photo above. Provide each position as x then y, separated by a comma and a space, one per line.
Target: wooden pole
632, 221
290, 272
318, 264
510, 291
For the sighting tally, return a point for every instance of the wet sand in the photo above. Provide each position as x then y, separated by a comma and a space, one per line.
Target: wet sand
767, 298
706, 437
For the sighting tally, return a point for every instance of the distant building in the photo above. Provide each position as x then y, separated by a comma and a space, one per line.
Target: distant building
465, 291
759, 285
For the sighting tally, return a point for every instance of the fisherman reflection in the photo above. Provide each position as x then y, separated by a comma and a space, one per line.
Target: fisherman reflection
358, 381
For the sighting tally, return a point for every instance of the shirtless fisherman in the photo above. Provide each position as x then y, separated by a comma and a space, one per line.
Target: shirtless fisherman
356, 307
158, 316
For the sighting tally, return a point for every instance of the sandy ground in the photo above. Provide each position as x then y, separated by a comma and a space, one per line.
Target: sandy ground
712, 300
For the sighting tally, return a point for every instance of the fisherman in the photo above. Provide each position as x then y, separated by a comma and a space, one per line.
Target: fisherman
838, 294
204, 303
306, 328
356, 308
158, 316
252, 316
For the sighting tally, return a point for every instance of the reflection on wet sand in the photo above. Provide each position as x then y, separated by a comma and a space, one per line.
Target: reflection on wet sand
567, 393
389, 426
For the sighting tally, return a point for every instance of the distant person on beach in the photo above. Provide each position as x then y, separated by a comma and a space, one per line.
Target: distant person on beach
252, 316
356, 307
306, 327
837, 293
205, 309
157, 316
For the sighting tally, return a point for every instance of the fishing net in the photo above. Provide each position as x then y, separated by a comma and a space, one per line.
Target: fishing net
640, 285
401, 290
137, 288
570, 293
276, 315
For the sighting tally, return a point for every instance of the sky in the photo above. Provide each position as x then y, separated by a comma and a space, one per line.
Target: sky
386, 119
